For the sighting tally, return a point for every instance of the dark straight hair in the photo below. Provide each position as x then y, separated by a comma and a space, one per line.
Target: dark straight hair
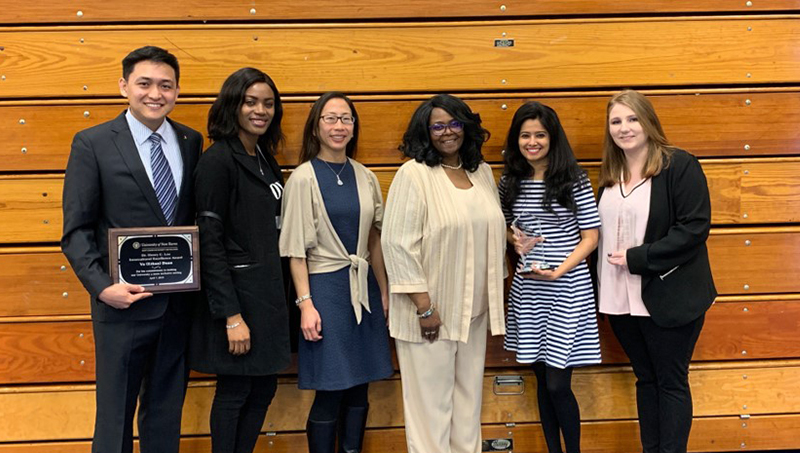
150, 53
311, 142
223, 117
417, 138
563, 171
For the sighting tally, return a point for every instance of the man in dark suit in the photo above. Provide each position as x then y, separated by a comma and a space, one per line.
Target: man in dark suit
133, 171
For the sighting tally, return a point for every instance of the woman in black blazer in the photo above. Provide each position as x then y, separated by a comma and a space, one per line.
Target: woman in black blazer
654, 277
241, 333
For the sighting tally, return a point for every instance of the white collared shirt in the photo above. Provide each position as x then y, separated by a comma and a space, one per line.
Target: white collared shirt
169, 144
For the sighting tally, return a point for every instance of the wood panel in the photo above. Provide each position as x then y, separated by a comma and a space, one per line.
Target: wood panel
30, 208
39, 282
751, 192
46, 352
721, 124
756, 261
63, 413
743, 191
754, 329
370, 58
714, 434
51, 11
767, 328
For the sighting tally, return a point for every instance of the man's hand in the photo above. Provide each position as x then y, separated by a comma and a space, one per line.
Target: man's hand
122, 295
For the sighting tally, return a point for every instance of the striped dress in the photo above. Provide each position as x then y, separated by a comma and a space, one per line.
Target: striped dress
554, 321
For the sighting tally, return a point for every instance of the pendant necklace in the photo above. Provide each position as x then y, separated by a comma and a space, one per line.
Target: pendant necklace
453, 167
338, 179
259, 154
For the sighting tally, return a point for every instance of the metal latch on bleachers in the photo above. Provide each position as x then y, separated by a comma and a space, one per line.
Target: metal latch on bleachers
508, 385
506, 445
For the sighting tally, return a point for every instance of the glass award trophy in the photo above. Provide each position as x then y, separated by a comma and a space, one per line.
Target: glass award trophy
626, 226
528, 230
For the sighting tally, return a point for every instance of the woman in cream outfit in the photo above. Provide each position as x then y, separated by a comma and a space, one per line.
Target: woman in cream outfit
444, 244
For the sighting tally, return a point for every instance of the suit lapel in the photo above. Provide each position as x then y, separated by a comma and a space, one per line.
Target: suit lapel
130, 155
187, 160
245, 160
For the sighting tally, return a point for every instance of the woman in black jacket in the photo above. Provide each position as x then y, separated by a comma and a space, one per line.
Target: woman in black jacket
654, 277
242, 333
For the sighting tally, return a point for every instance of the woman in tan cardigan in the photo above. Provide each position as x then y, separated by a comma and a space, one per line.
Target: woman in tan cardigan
332, 210
444, 242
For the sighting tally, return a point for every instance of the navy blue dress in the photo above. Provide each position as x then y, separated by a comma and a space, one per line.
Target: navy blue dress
348, 354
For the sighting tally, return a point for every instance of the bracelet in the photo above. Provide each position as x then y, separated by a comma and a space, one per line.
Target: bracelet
302, 299
427, 313
234, 325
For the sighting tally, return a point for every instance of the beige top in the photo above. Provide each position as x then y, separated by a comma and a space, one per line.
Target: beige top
471, 207
428, 246
307, 231
624, 221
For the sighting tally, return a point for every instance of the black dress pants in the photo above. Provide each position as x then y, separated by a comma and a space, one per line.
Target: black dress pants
237, 415
660, 359
142, 360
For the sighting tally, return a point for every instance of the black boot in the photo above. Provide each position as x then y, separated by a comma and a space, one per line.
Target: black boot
321, 436
353, 422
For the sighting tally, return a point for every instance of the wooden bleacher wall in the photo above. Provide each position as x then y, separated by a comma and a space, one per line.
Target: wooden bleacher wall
724, 76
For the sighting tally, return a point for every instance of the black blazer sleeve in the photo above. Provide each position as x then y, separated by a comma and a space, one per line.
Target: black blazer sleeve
680, 218
214, 183
81, 209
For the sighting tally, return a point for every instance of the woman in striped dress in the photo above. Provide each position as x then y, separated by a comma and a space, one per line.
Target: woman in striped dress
551, 312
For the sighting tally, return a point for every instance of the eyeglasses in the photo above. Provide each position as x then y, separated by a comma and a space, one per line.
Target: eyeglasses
333, 119
438, 129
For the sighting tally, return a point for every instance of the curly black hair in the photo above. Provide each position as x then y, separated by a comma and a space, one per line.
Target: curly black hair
563, 171
417, 138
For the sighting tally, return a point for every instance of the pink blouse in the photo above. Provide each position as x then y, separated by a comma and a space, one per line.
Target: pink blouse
624, 220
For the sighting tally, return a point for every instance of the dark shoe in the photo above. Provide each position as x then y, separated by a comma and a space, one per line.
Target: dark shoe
353, 422
321, 436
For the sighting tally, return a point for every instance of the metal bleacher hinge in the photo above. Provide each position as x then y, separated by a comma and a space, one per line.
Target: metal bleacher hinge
502, 384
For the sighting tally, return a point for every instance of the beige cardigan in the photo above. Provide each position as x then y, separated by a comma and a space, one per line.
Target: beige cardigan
307, 231
428, 247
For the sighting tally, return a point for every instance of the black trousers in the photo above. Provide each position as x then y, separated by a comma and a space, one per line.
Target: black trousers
238, 412
660, 358
142, 360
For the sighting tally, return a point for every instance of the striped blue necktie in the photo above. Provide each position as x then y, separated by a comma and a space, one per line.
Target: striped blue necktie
163, 182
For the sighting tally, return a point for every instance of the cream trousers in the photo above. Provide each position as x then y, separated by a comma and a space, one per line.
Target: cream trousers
443, 390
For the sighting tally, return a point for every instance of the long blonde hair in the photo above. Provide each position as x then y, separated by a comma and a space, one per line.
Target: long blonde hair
659, 150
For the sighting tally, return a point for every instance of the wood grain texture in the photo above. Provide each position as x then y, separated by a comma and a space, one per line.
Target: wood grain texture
733, 331
54, 11
46, 352
30, 206
52, 352
40, 282
743, 191
720, 124
369, 58
713, 434
757, 261
604, 393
